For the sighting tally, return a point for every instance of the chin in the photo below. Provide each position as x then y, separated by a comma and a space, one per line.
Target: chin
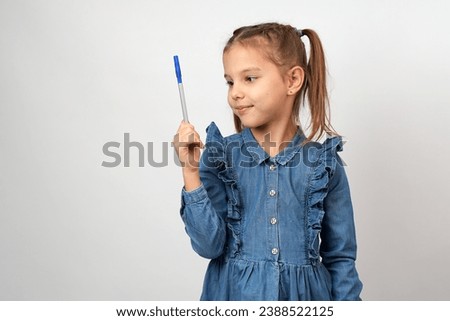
250, 123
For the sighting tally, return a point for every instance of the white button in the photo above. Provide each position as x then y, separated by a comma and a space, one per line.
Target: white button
272, 192
272, 167
274, 251
273, 221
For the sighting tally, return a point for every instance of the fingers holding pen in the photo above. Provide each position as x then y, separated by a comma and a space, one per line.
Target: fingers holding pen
187, 144
187, 136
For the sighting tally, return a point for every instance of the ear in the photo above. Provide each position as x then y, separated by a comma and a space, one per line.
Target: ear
295, 78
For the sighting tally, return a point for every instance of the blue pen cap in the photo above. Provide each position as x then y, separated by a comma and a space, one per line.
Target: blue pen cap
177, 69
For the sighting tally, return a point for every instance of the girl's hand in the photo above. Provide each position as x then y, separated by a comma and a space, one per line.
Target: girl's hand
187, 145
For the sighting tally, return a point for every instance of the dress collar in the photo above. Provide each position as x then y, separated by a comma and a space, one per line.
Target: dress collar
259, 155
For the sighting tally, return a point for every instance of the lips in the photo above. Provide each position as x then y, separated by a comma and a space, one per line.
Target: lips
242, 107
241, 110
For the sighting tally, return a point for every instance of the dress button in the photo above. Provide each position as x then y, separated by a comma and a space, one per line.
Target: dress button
273, 221
272, 192
272, 167
274, 251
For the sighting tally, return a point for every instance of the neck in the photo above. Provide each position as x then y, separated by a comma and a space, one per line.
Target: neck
273, 139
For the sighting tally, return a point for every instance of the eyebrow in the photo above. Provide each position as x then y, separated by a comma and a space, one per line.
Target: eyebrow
250, 69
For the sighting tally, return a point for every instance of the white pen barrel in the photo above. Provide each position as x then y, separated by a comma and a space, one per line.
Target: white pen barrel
183, 102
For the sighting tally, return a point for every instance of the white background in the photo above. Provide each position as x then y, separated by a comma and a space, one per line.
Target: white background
75, 75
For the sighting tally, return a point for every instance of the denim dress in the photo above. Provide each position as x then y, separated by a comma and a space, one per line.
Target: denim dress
275, 228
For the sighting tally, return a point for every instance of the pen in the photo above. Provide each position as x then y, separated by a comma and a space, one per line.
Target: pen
180, 88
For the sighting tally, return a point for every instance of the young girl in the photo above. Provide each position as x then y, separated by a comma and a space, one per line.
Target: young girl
270, 206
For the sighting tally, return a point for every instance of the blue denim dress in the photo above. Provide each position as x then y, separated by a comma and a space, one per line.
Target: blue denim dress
275, 228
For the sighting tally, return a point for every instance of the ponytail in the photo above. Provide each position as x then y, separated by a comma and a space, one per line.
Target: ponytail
315, 88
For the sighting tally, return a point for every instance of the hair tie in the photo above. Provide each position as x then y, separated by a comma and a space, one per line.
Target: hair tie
299, 32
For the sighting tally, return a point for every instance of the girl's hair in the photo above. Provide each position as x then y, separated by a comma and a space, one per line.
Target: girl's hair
282, 44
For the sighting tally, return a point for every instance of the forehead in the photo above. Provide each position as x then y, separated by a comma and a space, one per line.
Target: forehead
242, 57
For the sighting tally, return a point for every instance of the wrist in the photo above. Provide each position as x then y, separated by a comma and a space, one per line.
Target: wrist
191, 178
191, 171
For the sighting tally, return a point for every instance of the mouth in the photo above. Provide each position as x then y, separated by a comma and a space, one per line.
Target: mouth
239, 108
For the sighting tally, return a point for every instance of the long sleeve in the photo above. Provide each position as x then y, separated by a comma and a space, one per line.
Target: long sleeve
338, 247
203, 210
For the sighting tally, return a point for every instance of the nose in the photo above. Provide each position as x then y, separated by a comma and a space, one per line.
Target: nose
236, 92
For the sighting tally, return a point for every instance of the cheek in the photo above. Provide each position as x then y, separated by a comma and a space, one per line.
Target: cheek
269, 96
229, 99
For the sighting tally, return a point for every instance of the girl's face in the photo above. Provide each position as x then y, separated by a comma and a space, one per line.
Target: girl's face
258, 92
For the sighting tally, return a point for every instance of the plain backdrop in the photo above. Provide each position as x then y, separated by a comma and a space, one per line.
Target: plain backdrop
75, 75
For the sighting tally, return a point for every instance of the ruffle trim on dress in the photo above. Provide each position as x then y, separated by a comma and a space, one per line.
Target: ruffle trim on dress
216, 147
327, 160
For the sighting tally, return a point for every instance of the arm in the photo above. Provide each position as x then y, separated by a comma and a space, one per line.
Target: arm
338, 247
202, 194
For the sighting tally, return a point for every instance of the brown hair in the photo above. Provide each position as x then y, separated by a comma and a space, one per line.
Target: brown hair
284, 47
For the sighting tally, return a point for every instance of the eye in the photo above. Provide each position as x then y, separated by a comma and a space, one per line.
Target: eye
250, 78
229, 83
